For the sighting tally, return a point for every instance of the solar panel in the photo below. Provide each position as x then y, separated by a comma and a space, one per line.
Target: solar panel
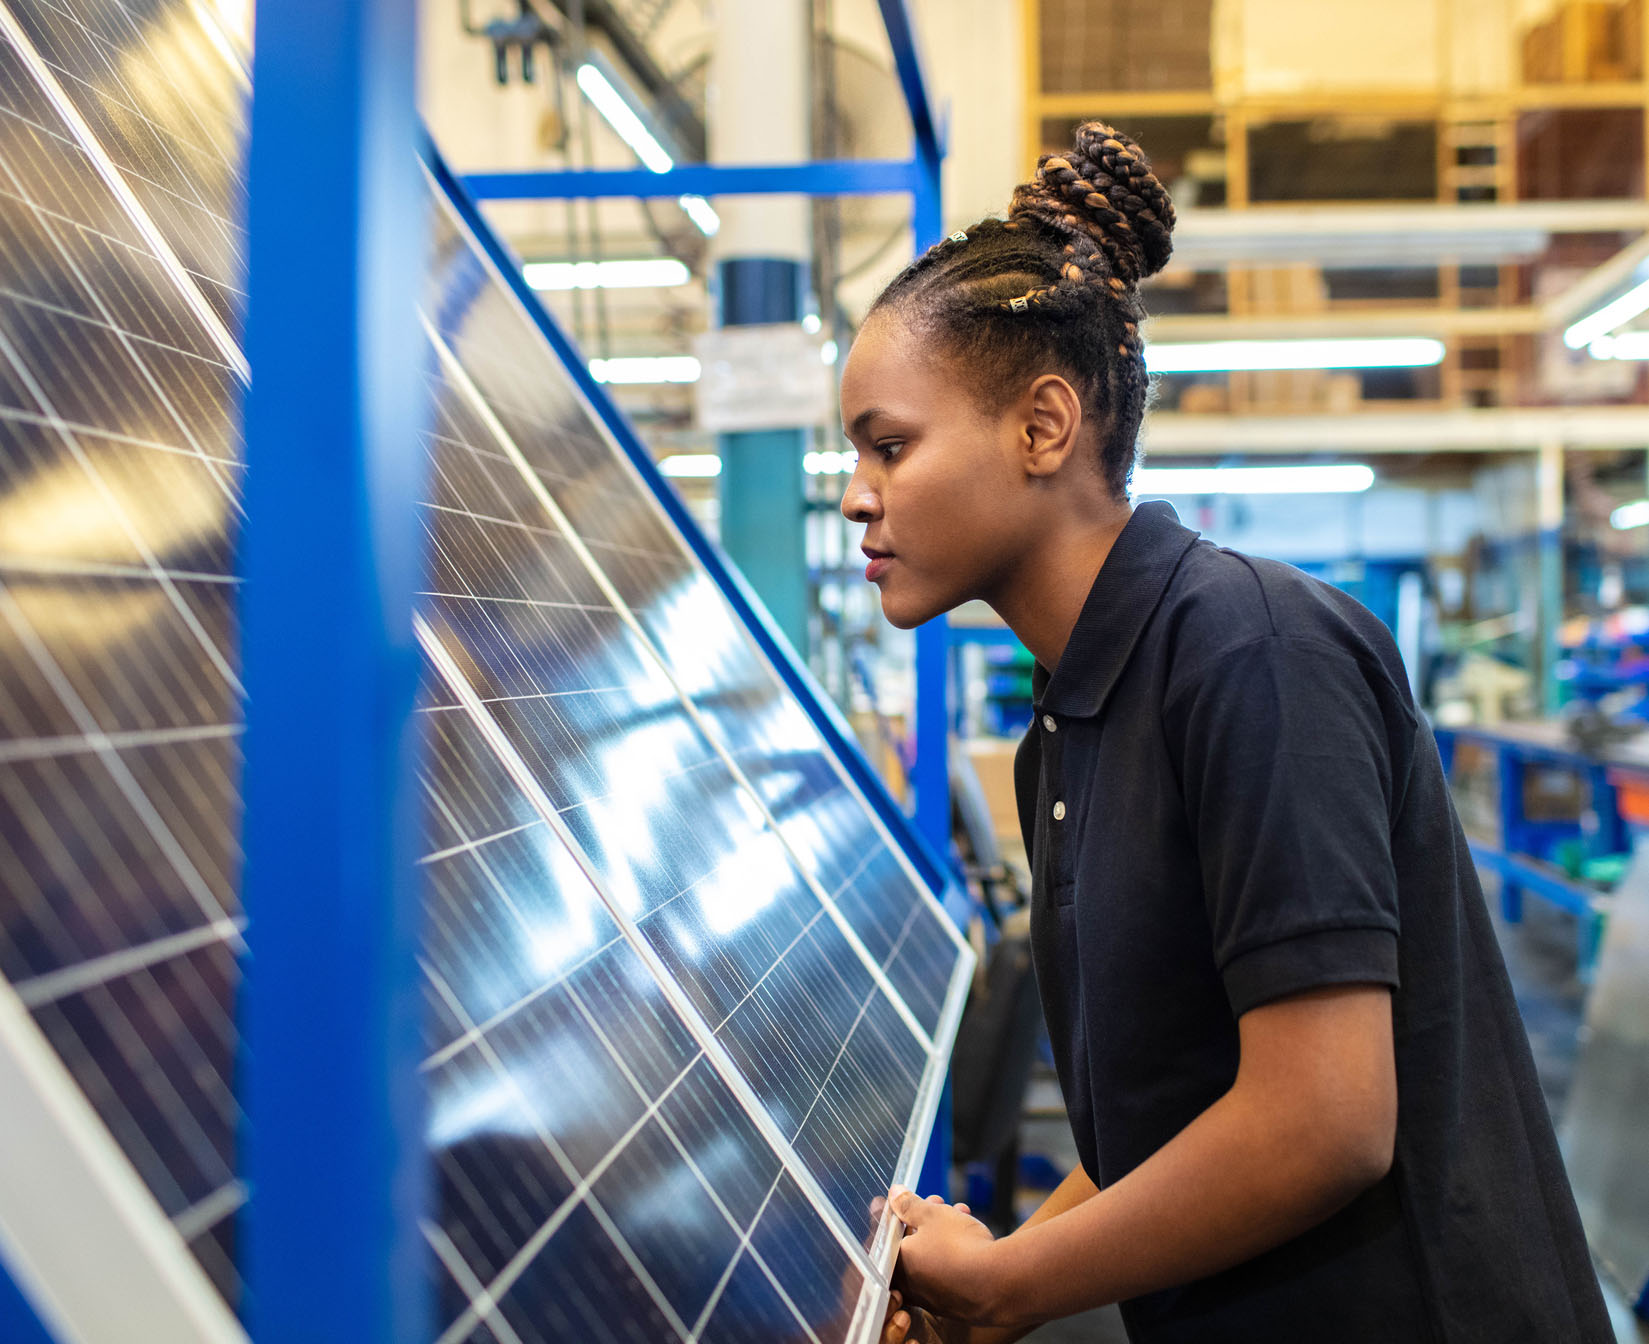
646, 870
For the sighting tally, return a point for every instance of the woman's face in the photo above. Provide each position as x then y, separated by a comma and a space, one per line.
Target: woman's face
938, 483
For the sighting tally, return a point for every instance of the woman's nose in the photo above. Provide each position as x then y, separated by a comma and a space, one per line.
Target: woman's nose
859, 502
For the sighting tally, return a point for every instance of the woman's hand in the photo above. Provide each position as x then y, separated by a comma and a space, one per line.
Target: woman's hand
947, 1264
912, 1325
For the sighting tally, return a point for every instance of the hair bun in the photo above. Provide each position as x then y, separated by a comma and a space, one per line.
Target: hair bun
1103, 191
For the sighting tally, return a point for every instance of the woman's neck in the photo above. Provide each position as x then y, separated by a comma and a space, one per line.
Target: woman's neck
1044, 597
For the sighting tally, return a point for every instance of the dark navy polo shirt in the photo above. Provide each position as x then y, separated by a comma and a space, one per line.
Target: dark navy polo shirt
1228, 797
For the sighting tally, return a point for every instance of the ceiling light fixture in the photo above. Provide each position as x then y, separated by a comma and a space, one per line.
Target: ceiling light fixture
1628, 345
1608, 317
1635, 514
1345, 478
642, 273
1233, 356
633, 131
690, 465
636, 370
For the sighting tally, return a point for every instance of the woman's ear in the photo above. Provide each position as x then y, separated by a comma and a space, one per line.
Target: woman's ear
1052, 425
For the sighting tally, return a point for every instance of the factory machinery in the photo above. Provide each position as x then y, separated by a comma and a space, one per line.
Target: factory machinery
688, 983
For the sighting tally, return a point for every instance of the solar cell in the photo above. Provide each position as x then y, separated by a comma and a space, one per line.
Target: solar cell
627, 1204
685, 847
736, 697
119, 718
687, 1000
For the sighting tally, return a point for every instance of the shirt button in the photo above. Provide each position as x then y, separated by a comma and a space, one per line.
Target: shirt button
1049, 724
1059, 811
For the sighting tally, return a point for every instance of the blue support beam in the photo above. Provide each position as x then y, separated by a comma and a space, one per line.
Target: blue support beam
831, 177
907, 62
333, 1142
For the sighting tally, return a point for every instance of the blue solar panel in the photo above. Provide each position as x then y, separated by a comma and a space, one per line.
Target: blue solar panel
687, 1000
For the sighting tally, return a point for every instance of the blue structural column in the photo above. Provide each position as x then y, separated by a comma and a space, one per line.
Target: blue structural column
930, 776
759, 113
331, 1011
1549, 490
762, 487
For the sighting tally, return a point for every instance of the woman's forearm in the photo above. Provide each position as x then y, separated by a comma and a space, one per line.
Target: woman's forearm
1068, 1194
1308, 1125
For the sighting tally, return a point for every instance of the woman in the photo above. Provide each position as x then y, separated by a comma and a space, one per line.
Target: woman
1302, 1097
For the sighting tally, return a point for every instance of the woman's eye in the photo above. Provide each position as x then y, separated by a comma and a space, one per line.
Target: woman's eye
889, 447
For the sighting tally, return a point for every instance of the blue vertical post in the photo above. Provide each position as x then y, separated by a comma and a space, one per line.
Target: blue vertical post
1512, 827
333, 1139
930, 776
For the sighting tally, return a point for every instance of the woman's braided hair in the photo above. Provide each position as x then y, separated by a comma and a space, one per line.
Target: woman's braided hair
1053, 288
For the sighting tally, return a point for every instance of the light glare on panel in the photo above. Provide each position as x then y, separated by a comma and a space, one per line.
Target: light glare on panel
1344, 478
687, 465
1397, 352
639, 273
635, 370
1608, 317
1635, 514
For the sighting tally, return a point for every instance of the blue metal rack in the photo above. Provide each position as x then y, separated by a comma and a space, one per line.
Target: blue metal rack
1521, 858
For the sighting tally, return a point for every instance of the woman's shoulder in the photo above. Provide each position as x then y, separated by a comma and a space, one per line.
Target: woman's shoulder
1221, 601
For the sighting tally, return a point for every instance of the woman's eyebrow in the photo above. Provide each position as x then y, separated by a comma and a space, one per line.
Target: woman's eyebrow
862, 421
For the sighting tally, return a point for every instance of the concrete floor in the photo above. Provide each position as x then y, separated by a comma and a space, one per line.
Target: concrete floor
1540, 953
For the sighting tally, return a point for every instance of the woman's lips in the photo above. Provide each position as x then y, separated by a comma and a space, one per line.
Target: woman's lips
877, 567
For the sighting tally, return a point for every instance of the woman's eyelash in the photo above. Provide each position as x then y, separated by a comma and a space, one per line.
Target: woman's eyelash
889, 447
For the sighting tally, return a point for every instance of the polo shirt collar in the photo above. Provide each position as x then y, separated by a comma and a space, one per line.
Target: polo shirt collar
1129, 586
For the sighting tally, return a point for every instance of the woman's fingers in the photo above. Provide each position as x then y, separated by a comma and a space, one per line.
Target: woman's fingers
896, 1329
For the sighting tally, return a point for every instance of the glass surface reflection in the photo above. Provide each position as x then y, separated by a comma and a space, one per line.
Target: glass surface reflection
579, 1131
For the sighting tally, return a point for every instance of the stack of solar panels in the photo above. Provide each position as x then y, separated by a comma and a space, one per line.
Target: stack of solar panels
688, 999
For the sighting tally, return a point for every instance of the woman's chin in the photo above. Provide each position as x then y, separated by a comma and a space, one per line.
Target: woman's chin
905, 614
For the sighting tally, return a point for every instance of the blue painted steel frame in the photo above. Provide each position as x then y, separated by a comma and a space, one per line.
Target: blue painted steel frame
1515, 860
333, 1145
845, 177
19, 1323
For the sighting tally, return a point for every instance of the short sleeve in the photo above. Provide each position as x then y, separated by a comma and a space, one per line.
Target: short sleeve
1287, 771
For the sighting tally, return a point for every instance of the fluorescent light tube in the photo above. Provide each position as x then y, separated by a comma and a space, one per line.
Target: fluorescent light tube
1608, 317
1346, 478
1221, 356
828, 463
633, 131
642, 273
702, 213
622, 118
1628, 345
1635, 514
682, 465
639, 369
